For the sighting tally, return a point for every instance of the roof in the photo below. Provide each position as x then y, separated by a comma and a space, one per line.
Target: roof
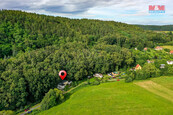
158, 47
98, 75
137, 66
171, 51
145, 48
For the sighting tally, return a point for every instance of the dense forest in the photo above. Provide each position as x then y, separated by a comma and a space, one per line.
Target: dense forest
34, 48
157, 28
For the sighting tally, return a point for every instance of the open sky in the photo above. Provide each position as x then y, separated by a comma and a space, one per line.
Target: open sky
127, 11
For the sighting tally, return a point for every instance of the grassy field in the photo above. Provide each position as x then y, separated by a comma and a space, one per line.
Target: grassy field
165, 81
115, 98
168, 47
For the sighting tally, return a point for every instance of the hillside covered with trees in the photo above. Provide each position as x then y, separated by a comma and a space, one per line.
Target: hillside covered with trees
34, 48
157, 28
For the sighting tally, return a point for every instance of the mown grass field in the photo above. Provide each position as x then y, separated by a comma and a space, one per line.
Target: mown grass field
165, 81
115, 98
168, 47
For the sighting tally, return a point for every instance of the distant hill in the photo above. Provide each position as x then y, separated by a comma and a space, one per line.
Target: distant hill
157, 28
21, 32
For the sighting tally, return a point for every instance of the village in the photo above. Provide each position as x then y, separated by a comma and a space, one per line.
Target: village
120, 74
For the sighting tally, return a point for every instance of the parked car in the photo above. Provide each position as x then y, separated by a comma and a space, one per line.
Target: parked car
26, 109
30, 111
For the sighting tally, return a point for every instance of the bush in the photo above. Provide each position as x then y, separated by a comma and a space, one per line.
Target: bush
128, 79
53, 97
95, 83
167, 50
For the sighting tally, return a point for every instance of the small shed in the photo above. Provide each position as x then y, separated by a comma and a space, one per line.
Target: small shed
162, 66
98, 75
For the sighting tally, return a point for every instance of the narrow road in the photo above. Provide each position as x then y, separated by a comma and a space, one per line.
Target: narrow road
33, 108
157, 89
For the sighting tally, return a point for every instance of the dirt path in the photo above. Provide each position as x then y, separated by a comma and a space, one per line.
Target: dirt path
157, 89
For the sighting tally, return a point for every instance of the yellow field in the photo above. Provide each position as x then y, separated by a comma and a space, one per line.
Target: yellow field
168, 47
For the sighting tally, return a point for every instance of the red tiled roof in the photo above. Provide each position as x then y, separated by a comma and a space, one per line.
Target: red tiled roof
158, 47
137, 66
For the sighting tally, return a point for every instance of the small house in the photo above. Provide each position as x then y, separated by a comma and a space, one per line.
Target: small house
171, 52
138, 67
145, 49
169, 62
158, 48
63, 84
98, 75
162, 66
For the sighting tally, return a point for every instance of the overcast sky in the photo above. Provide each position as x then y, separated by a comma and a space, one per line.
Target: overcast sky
128, 11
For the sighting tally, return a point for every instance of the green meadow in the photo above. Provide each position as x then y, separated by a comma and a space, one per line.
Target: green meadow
116, 98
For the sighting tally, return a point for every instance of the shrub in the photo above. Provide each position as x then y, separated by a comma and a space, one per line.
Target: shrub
128, 79
167, 50
53, 97
95, 83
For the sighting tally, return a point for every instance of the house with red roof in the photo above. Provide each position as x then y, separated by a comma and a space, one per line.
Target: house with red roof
158, 48
145, 49
138, 67
171, 52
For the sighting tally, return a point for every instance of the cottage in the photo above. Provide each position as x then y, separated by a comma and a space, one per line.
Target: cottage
138, 67
158, 48
62, 85
98, 75
149, 61
171, 52
145, 49
169, 62
162, 66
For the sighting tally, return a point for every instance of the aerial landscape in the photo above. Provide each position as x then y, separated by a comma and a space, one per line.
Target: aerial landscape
64, 62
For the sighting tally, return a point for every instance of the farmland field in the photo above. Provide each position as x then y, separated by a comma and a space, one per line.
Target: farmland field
168, 47
117, 98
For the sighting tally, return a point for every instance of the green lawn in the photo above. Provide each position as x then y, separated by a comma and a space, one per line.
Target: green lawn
113, 98
168, 47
